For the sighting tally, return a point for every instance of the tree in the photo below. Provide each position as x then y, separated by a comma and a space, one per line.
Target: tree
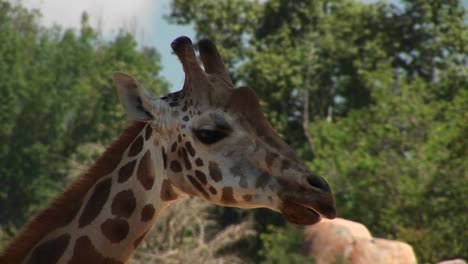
56, 96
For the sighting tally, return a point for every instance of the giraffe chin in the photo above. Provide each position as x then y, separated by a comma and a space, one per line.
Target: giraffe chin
299, 215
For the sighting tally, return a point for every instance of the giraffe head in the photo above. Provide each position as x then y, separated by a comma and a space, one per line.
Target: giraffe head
217, 144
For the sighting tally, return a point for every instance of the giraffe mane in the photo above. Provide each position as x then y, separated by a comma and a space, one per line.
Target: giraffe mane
54, 215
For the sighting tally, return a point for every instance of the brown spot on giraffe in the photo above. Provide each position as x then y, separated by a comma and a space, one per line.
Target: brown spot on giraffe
84, 252
270, 158
199, 162
167, 191
115, 230
227, 195
213, 190
237, 172
262, 180
201, 177
124, 204
285, 164
50, 251
174, 146
186, 159
175, 166
136, 147
215, 172
198, 186
145, 171
148, 132
190, 148
147, 213
126, 171
95, 203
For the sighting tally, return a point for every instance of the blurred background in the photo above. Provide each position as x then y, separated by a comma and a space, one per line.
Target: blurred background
373, 95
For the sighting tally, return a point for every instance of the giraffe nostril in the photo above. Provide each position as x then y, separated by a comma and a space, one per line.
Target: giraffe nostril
318, 182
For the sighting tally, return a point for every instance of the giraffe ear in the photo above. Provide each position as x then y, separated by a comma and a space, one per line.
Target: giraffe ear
136, 100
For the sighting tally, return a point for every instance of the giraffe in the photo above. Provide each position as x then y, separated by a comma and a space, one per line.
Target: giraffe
209, 140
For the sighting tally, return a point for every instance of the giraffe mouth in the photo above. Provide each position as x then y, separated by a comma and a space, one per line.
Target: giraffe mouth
299, 215
302, 212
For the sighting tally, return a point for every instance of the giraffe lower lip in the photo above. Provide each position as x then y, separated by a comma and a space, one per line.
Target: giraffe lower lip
299, 215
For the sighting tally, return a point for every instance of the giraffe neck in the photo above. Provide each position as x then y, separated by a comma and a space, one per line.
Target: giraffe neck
104, 215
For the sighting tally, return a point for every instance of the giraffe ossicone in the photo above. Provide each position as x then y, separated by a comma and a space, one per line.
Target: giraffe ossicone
208, 140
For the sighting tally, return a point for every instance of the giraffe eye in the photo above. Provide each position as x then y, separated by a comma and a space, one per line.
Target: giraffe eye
208, 136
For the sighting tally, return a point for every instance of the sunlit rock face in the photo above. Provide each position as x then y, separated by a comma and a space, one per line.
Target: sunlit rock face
452, 261
340, 239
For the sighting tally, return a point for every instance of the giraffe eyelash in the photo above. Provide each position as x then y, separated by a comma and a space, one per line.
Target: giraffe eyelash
209, 136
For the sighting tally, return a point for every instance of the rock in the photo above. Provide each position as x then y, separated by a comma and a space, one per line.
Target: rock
378, 250
327, 240
333, 240
453, 261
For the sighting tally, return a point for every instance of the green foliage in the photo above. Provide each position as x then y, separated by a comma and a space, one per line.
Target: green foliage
56, 95
379, 93
283, 245
383, 164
